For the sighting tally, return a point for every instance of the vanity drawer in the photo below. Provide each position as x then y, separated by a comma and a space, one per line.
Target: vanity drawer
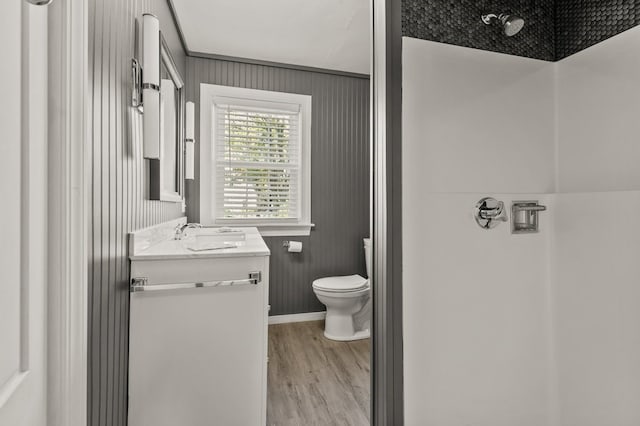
197, 354
199, 270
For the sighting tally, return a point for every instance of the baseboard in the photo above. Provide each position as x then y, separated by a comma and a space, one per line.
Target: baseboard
311, 316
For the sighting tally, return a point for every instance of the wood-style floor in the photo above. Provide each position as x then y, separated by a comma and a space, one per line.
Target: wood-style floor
316, 381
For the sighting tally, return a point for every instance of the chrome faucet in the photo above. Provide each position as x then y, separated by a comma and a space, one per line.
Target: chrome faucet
182, 228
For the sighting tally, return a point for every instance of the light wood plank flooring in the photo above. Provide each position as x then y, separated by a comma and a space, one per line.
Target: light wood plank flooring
316, 381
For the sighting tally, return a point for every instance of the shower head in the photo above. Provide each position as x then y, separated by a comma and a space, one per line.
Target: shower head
511, 24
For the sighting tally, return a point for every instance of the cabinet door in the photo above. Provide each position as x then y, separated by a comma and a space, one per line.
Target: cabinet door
197, 356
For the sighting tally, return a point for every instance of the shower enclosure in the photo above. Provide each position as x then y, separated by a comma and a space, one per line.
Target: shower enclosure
507, 328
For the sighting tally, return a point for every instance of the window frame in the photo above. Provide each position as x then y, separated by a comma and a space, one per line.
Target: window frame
210, 96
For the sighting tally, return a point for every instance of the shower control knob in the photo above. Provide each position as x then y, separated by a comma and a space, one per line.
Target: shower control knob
489, 212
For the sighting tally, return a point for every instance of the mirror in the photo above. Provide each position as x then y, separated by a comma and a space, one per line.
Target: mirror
166, 181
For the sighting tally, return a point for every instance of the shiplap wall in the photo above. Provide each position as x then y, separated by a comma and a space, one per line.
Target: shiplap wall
339, 175
119, 197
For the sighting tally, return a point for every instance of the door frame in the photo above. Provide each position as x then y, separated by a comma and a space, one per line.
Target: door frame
69, 208
387, 402
68, 213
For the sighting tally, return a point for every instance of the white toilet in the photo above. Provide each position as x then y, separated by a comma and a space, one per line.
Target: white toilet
347, 300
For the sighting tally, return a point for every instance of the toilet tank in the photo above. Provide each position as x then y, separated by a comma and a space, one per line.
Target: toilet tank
367, 255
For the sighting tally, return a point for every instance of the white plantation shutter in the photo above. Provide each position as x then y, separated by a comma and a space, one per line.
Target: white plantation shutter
257, 162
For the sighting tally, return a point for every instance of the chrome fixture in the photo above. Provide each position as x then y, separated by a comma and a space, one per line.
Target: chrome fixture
136, 91
524, 216
182, 228
489, 212
40, 2
142, 284
511, 24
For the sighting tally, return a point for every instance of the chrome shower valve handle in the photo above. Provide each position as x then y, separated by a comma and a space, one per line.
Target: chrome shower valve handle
496, 213
489, 212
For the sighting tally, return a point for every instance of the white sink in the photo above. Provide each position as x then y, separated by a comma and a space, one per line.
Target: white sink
213, 239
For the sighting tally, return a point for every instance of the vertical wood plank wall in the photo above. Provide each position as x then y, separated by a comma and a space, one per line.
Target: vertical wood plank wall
119, 200
339, 175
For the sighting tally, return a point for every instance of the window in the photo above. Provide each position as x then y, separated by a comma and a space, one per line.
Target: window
255, 157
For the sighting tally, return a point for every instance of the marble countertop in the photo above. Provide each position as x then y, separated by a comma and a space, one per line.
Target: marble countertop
245, 241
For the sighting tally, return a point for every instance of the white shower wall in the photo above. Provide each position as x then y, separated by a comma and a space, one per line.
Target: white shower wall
597, 308
476, 121
475, 317
599, 117
503, 329
475, 305
597, 240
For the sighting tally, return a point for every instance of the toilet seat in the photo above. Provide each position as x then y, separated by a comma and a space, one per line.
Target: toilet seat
344, 284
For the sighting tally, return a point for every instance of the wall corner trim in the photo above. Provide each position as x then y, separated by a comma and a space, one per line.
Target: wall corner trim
249, 61
387, 402
176, 22
68, 210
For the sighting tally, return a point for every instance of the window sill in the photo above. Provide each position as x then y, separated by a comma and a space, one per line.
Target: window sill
284, 230
277, 229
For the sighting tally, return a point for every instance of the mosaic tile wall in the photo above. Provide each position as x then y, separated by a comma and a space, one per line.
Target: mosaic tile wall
554, 29
583, 23
458, 22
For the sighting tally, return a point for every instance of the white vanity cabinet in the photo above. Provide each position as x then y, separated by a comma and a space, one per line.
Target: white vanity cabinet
198, 354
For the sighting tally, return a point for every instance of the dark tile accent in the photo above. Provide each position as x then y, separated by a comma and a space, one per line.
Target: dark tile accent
554, 29
581, 24
458, 22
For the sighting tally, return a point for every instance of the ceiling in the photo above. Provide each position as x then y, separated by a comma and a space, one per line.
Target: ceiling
330, 34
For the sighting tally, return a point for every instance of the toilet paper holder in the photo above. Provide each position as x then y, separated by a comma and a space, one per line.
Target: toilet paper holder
292, 246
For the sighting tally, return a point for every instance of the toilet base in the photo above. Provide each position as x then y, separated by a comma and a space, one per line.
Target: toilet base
364, 334
341, 323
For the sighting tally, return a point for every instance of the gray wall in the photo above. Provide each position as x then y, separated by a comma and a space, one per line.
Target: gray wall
339, 177
118, 201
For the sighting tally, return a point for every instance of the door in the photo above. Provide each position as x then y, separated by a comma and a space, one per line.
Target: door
23, 167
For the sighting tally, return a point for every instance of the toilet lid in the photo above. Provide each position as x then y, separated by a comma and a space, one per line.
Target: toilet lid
348, 283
